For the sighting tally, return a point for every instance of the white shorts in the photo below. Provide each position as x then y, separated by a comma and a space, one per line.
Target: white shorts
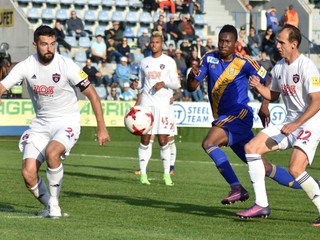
34, 141
173, 125
305, 137
161, 124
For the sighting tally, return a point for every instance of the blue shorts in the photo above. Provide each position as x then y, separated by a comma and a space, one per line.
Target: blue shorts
237, 125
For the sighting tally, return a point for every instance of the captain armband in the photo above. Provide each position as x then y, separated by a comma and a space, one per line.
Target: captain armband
83, 85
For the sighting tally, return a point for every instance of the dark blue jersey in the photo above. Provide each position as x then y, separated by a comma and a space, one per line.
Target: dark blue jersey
228, 81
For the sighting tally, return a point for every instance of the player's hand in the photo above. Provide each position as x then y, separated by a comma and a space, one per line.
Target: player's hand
103, 136
195, 71
158, 86
254, 81
287, 129
264, 114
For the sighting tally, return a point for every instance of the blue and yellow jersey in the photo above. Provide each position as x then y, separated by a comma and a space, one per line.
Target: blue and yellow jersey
228, 81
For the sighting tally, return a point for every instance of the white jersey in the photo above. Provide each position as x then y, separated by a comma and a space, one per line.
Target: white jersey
295, 82
153, 70
51, 88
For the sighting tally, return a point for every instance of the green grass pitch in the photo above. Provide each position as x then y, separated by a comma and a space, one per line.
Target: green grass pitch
104, 200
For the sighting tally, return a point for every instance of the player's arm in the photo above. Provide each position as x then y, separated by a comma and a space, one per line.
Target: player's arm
91, 94
192, 83
264, 113
266, 93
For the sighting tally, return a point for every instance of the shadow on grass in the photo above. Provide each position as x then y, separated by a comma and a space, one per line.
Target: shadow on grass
168, 206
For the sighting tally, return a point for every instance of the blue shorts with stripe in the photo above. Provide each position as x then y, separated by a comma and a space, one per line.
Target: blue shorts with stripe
237, 125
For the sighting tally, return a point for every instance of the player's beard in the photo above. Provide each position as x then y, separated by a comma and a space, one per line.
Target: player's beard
45, 58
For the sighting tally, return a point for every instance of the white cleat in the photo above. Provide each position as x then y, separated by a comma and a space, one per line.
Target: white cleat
54, 209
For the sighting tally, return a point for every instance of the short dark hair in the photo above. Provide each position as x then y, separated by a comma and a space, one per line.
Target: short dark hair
229, 29
294, 33
43, 30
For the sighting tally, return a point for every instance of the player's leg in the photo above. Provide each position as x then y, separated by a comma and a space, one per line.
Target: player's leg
147, 154
211, 144
144, 154
173, 153
302, 156
165, 157
33, 157
54, 175
64, 136
259, 145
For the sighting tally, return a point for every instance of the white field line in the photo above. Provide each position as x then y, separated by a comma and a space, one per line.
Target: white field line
240, 164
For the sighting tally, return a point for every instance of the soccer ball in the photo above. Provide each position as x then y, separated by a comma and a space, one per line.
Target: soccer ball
138, 120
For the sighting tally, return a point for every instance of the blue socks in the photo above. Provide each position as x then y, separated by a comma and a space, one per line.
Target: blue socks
222, 164
282, 176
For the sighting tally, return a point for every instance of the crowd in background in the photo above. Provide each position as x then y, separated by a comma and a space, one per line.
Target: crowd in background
109, 63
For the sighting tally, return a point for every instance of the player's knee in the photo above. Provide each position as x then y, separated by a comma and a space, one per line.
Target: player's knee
250, 148
295, 171
30, 176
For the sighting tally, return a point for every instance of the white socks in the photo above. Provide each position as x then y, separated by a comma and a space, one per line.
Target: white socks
165, 157
40, 192
257, 176
55, 177
173, 152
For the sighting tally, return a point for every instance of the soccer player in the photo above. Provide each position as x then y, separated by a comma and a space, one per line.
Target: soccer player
296, 78
227, 74
157, 75
51, 80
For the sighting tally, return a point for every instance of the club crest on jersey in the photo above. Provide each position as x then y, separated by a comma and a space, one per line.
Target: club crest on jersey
232, 71
296, 78
162, 66
56, 77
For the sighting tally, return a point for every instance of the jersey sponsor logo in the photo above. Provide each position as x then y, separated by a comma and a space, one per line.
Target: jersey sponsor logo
213, 60
296, 78
315, 82
82, 74
262, 72
162, 66
43, 89
153, 75
288, 89
232, 71
56, 77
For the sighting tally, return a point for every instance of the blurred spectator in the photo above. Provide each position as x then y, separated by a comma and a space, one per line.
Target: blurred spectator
124, 49
172, 28
113, 94
240, 49
169, 3
272, 20
186, 95
116, 33
282, 18
122, 73
181, 62
143, 42
98, 50
159, 28
197, 46
268, 44
106, 74
126, 94
60, 37
186, 47
161, 21
254, 42
170, 51
75, 26
196, 6
197, 95
94, 75
249, 9
112, 52
191, 58
209, 46
264, 59
150, 5
243, 38
185, 28
291, 17
4, 68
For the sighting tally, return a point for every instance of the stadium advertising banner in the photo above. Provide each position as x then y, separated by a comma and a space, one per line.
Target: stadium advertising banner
188, 114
